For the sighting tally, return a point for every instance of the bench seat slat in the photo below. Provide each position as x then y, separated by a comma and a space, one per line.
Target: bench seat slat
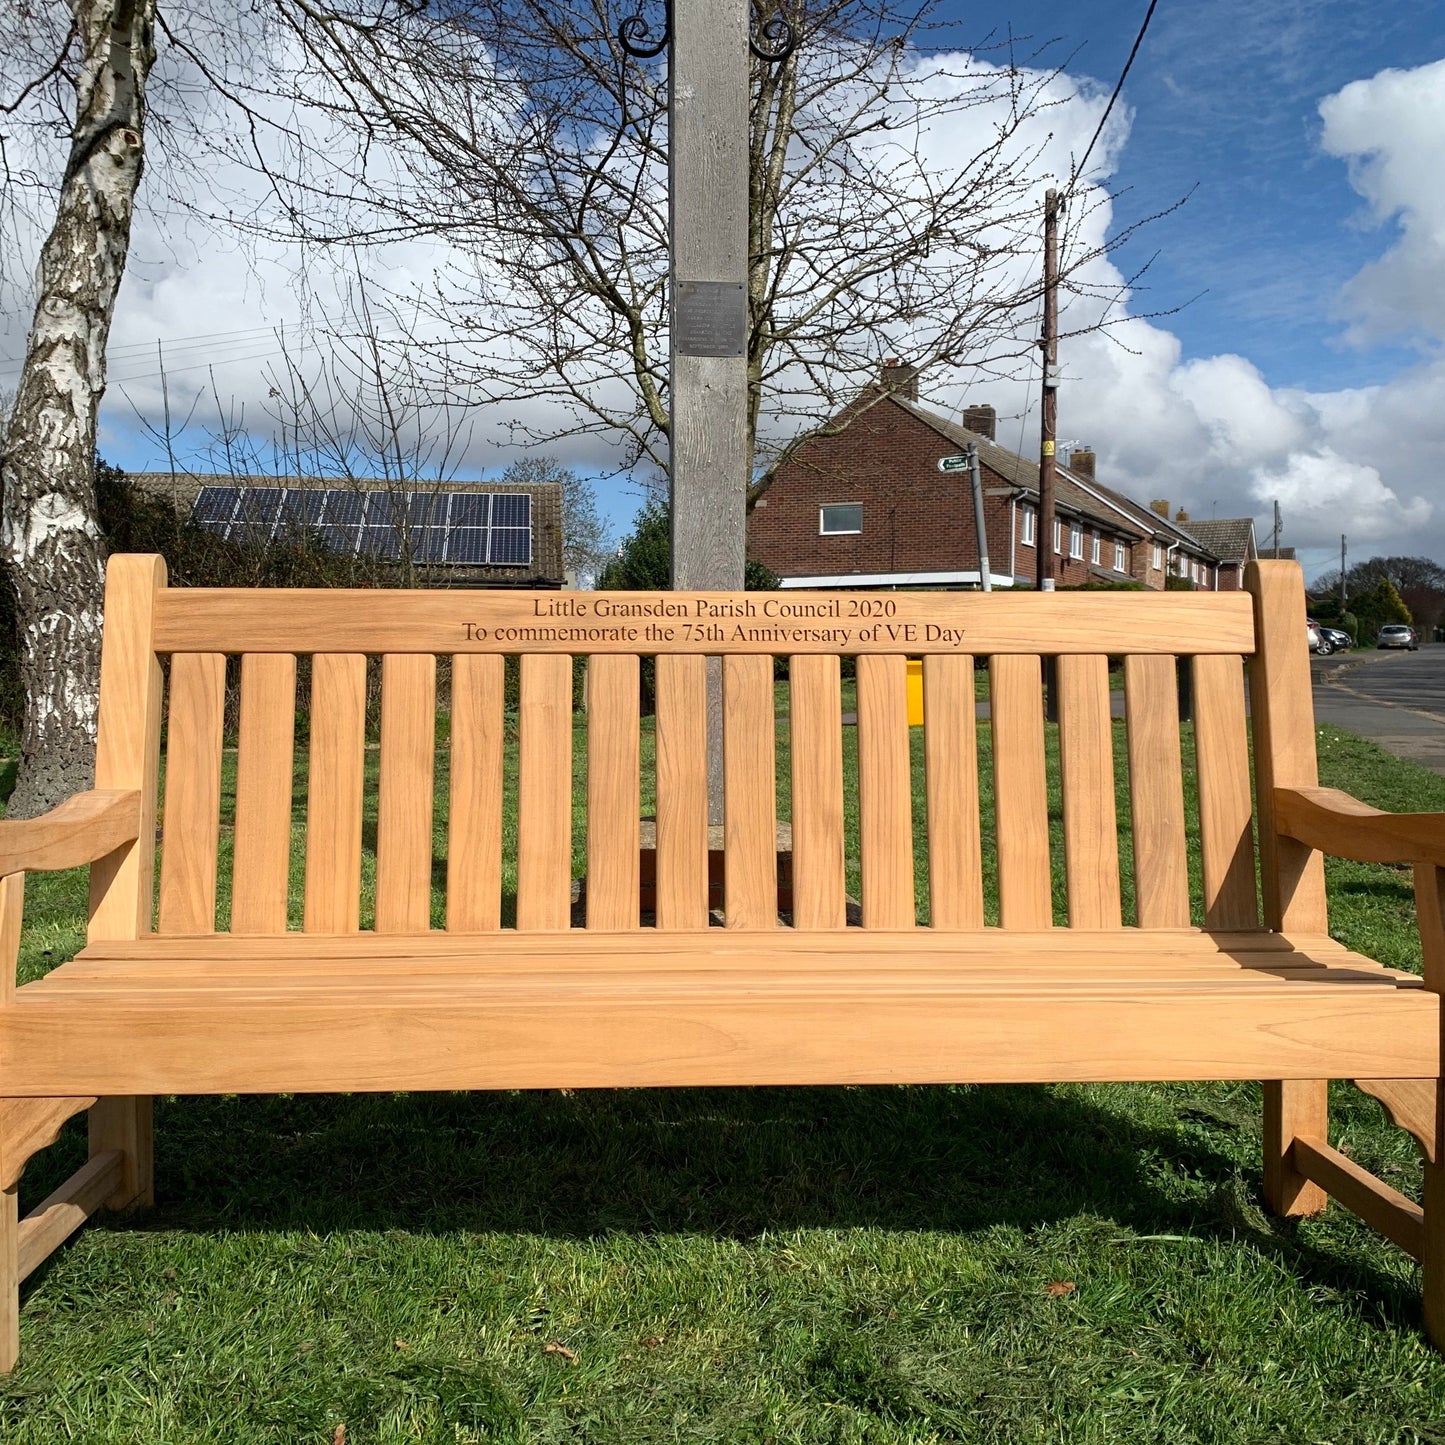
460, 1040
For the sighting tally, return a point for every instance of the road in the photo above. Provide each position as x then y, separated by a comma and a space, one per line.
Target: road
1396, 699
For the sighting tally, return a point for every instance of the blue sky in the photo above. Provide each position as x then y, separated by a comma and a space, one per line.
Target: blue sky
1224, 97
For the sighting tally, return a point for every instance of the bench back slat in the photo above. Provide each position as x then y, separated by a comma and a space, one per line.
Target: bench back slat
750, 819
1020, 791
614, 752
1226, 812
816, 752
1086, 766
885, 806
1156, 792
334, 792
265, 759
681, 772
404, 793
191, 819
474, 814
544, 792
950, 737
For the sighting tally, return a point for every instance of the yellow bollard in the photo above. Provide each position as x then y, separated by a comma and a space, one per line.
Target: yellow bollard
915, 692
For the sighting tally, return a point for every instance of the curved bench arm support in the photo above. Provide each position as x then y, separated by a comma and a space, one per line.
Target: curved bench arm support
1344, 827
80, 830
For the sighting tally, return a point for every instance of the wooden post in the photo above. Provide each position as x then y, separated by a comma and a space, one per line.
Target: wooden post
711, 463
1282, 715
127, 755
1430, 915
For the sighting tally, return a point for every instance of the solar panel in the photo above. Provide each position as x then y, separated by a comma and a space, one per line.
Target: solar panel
510, 546
426, 509
469, 509
382, 542
256, 513
467, 545
302, 506
341, 539
344, 508
512, 509
429, 544
214, 504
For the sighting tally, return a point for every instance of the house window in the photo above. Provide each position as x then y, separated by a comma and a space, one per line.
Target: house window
1058, 535
840, 519
1158, 556
1094, 548
1026, 527
1076, 541
1121, 557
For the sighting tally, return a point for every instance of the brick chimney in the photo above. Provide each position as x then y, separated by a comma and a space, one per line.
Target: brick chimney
981, 419
900, 378
1081, 462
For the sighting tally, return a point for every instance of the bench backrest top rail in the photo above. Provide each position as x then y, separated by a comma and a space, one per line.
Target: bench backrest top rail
702, 623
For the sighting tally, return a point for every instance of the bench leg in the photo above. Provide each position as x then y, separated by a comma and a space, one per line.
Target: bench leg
9, 1278
1293, 1107
125, 1124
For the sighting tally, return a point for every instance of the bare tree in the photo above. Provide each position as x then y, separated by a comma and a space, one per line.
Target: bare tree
50, 537
894, 202
587, 541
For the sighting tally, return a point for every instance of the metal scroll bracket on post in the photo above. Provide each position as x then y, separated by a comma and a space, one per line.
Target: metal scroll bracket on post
772, 42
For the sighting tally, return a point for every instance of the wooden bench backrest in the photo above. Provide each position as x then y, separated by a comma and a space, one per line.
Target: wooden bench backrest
335, 633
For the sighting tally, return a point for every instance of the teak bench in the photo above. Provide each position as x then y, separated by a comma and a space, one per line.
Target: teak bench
161, 1002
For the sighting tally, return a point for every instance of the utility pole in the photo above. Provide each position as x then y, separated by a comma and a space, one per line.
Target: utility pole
1049, 408
710, 466
1274, 535
1344, 586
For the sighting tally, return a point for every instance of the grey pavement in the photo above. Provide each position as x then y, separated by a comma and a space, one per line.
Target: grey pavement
1396, 699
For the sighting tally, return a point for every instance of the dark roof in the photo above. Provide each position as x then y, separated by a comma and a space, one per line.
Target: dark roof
1229, 538
1069, 494
1277, 554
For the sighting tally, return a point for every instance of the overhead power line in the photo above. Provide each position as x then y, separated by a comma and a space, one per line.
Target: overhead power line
1108, 109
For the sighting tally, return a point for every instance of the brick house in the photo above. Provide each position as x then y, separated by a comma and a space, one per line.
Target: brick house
861, 503
1231, 539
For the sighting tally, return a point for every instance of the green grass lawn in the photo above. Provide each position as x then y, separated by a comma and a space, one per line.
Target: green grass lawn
878, 1265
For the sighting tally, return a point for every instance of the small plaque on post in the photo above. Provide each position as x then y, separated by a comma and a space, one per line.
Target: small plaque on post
711, 318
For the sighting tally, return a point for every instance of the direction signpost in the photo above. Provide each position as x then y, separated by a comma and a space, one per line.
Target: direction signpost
968, 462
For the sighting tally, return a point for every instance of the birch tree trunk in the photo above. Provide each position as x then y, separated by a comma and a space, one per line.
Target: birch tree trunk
50, 534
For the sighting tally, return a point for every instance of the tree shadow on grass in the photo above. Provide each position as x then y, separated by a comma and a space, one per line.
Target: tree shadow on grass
725, 1162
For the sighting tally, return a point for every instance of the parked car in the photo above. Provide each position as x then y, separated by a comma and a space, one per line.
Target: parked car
1342, 640
1316, 641
1396, 634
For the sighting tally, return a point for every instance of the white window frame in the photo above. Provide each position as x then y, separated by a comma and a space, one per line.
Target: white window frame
1095, 542
1058, 537
1158, 556
1076, 541
1026, 526
840, 531
1121, 557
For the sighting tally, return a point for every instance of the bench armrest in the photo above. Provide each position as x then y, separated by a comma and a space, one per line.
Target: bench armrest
80, 830
1344, 827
